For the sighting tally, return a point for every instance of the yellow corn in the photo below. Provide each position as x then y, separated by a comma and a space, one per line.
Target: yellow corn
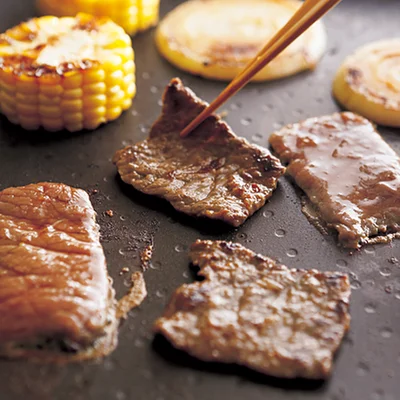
66, 73
132, 15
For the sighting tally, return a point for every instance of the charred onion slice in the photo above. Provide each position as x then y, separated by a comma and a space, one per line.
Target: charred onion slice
65, 73
217, 38
368, 82
132, 15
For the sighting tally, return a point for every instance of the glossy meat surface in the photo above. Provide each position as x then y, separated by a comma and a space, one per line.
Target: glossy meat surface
349, 173
53, 277
211, 173
251, 311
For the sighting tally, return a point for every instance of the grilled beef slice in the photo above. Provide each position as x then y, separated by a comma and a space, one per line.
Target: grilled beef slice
350, 175
211, 173
250, 311
56, 298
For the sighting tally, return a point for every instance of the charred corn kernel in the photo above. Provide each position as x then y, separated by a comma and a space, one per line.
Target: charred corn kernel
368, 82
66, 73
217, 38
132, 15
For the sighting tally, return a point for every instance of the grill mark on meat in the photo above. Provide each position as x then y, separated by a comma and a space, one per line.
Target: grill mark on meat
212, 173
57, 303
251, 311
350, 175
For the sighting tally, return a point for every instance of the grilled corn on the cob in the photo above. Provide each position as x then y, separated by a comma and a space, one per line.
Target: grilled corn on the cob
66, 73
368, 82
217, 38
132, 15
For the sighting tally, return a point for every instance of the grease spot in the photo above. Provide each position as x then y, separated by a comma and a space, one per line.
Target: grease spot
369, 250
155, 265
245, 121
128, 282
257, 137
298, 112
355, 284
292, 253
386, 332
341, 263
268, 213
180, 248
362, 369
385, 271
370, 308
235, 106
267, 107
280, 233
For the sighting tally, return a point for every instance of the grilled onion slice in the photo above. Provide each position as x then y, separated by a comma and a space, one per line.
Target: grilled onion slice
368, 82
217, 38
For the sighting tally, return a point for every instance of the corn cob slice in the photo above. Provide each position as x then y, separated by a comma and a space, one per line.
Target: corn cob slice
66, 73
217, 38
132, 15
368, 82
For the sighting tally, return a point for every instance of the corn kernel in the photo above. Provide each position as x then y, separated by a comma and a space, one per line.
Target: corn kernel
132, 15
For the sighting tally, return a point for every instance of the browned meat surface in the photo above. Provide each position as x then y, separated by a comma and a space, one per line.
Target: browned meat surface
348, 172
251, 311
54, 286
211, 173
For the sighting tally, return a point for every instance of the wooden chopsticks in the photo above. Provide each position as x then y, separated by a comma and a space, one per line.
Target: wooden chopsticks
306, 15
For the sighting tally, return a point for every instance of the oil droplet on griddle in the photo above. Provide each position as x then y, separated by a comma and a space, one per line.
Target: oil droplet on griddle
155, 265
179, 248
386, 333
341, 263
385, 271
369, 250
292, 253
257, 137
268, 214
362, 369
280, 233
245, 121
355, 284
370, 308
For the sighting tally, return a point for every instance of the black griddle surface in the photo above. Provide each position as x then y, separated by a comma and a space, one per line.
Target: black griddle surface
368, 364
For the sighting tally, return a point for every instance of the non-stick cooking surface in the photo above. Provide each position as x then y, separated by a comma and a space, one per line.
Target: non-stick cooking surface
368, 364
